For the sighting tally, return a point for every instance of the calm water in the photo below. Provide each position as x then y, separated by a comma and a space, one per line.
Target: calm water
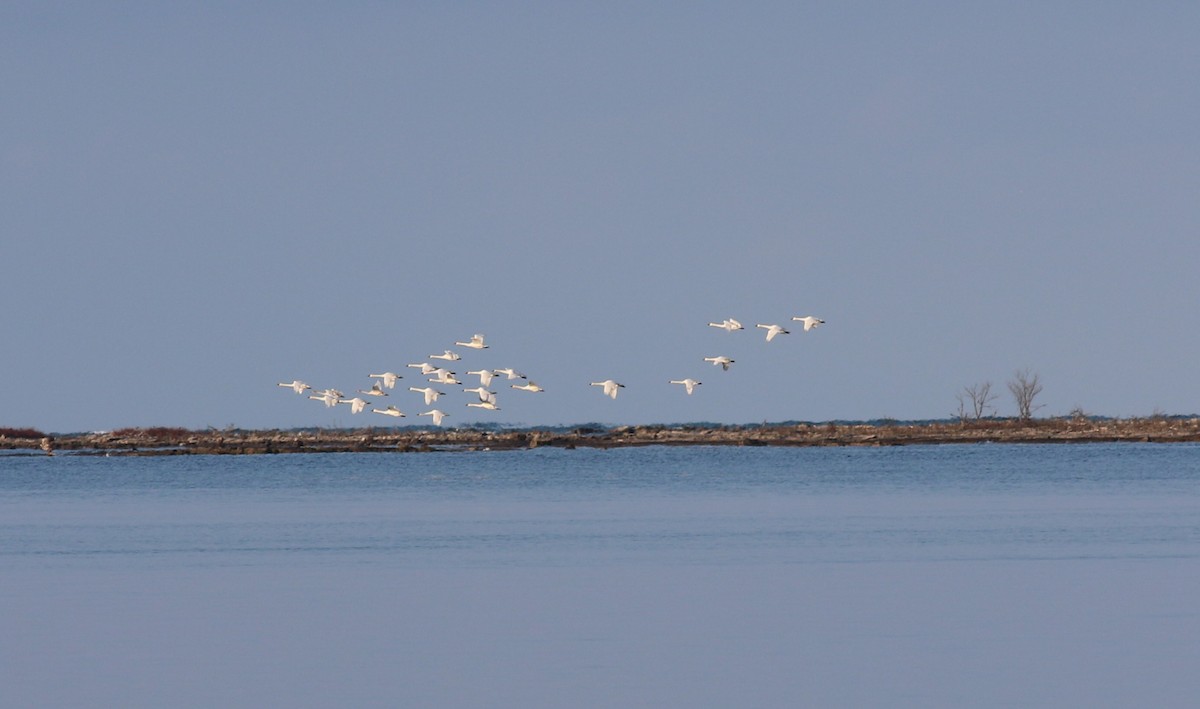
984, 575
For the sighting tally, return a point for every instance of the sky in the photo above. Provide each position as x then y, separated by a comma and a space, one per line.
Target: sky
199, 201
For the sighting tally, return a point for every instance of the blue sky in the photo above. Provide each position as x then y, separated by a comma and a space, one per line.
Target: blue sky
200, 201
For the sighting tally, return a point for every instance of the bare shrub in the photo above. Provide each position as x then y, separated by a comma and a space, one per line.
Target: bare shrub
1025, 387
975, 401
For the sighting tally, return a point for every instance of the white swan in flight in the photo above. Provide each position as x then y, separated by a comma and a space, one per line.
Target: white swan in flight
773, 330
431, 394
688, 384
375, 390
509, 372
610, 387
485, 376
489, 405
476, 342
484, 394
389, 411
728, 325
295, 385
388, 379
447, 355
722, 361
443, 376
425, 367
357, 404
329, 396
437, 415
528, 386
809, 322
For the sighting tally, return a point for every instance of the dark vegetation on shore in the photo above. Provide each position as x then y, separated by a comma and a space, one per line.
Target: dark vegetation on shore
163, 440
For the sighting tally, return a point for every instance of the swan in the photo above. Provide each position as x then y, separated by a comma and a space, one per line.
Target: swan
723, 362
773, 330
357, 404
728, 325
387, 378
809, 322
485, 376
610, 387
484, 394
509, 372
295, 385
489, 405
430, 393
443, 376
437, 415
389, 411
375, 390
329, 396
528, 386
688, 384
425, 367
476, 343
447, 355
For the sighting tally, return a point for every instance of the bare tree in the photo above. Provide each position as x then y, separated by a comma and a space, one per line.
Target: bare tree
1025, 387
975, 401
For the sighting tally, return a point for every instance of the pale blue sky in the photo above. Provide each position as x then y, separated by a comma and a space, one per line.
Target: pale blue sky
200, 201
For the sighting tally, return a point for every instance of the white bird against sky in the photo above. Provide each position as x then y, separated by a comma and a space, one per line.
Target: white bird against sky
610, 387
444, 376
295, 385
375, 390
389, 411
437, 415
476, 343
357, 404
448, 355
721, 361
388, 379
773, 330
484, 394
509, 372
425, 367
327, 398
431, 394
728, 325
688, 384
489, 405
809, 322
485, 376
528, 386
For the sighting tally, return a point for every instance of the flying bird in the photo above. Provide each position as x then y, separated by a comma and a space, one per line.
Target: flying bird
447, 355
485, 376
809, 322
375, 390
329, 397
728, 325
489, 405
688, 384
723, 362
528, 386
425, 367
610, 387
389, 411
509, 372
484, 394
443, 376
476, 343
295, 385
430, 393
437, 415
773, 330
357, 404
388, 379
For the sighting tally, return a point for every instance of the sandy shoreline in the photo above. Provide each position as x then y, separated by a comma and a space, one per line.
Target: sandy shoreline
176, 441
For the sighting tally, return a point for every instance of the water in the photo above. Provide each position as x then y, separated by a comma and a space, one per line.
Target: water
983, 575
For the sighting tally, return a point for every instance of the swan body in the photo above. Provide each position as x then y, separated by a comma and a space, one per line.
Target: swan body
375, 390
485, 376
528, 386
688, 384
389, 411
728, 325
489, 405
425, 367
476, 343
437, 415
809, 322
722, 361
328, 397
508, 372
443, 376
357, 404
610, 387
484, 394
773, 330
295, 385
448, 355
431, 394
388, 379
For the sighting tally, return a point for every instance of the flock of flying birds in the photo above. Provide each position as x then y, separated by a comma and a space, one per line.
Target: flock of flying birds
487, 399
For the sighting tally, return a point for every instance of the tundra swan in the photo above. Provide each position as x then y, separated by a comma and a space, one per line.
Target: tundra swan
447, 355
728, 325
722, 361
476, 343
528, 386
809, 322
437, 415
773, 330
388, 379
610, 387
431, 394
389, 411
688, 384
296, 385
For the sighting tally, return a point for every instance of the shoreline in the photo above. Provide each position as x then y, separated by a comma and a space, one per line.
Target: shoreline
177, 441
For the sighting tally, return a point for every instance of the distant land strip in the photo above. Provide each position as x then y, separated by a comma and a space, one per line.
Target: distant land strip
231, 441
